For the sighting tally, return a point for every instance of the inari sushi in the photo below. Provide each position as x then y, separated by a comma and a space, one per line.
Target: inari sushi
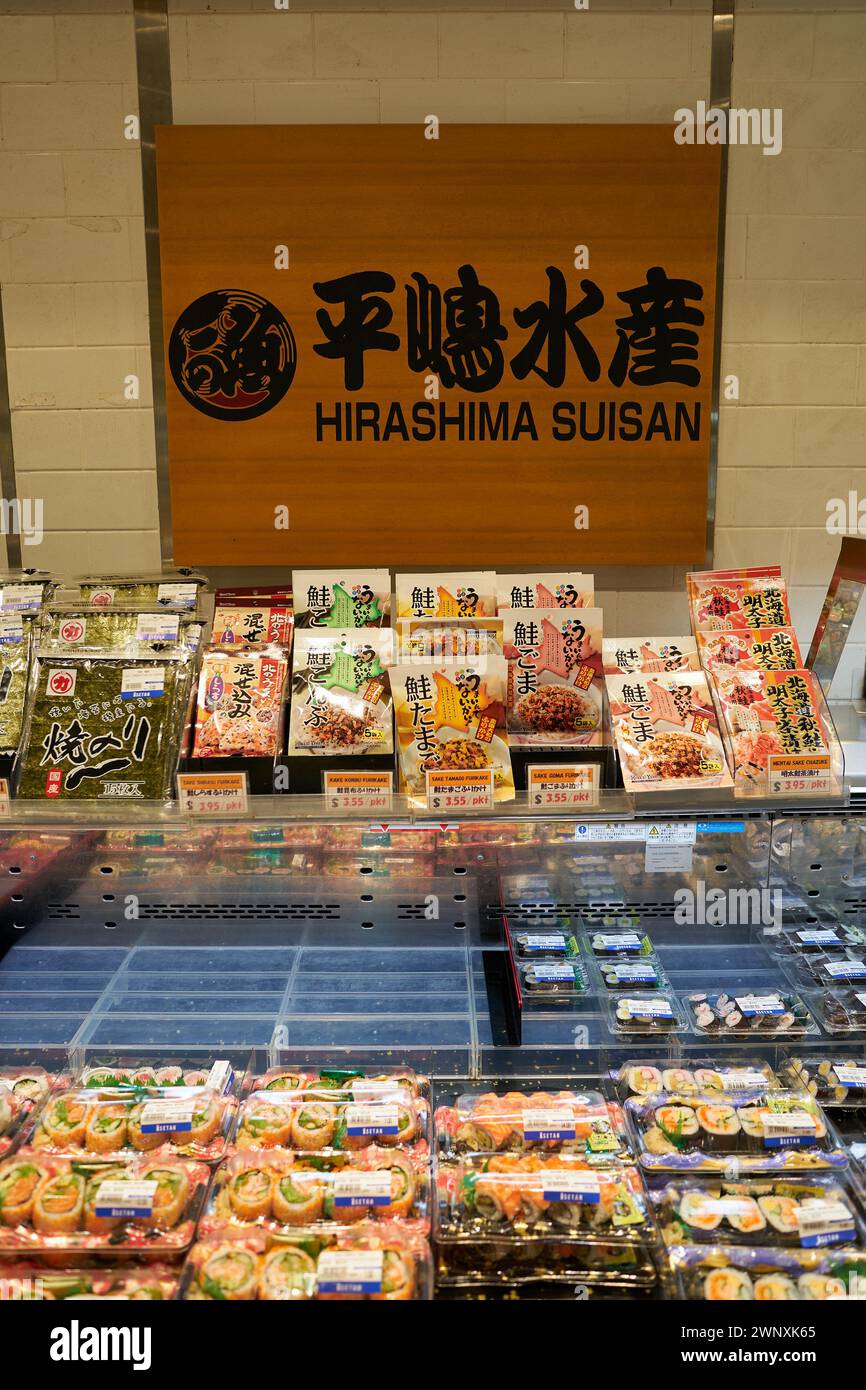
250, 1193
63, 1123
726, 1285
286, 1274
171, 1196
58, 1204
18, 1183
100, 1224
143, 1143
265, 1123
105, 1131
312, 1125
298, 1198
228, 1274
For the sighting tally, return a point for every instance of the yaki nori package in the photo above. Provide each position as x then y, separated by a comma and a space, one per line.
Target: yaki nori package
138, 628
178, 589
15, 639
103, 726
734, 1273
341, 695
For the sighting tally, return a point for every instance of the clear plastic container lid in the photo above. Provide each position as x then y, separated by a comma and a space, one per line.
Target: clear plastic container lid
382, 1261
520, 1197
832, 1081
553, 981
755, 1132
278, 1191
813, 937
620, 941
288, 1120
762, 1013
828, 971
73, 1207
352, 1083
580, 1122
808, 1213
175, 1072
642, 973
841, 1010
33, 1282
651, 1014
703, 1075
727, 1273
193, 1121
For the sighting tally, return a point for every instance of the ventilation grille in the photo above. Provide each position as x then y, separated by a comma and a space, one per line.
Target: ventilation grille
592, 913
219, 912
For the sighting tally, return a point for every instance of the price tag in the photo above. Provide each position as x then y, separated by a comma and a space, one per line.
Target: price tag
554, 972
21, 598
742, 1080
788, 1129
146, 683
157, 627
561, 1185
362, 1189
177, 595
350, 1271
790, 774
553, 942
851, 1075
5, 802
459, 789
562, 787
845, 969
631, 972
751, 1005
362, 791
372, 1120
824, 1222
364, 1091
648, 1008
165, 1117
549, 1122
125, 1197
604, 942
213, 793
825, 936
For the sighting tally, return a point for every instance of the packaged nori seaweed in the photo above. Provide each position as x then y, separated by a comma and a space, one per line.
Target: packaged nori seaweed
135, 628
15, 637
177, 589
99, 726
25, 591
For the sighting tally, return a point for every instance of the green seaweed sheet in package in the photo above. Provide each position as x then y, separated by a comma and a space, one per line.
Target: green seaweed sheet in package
139, 628
178, 589
15, 632
103, 726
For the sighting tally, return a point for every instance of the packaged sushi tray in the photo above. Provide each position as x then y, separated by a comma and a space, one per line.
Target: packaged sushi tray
315, 1123
644, 973
145, 1206
35, 1283
619, 944
751, 1132
383, 1261
553, 981
701, 1076
219, 1075
280, 1191
810, 1214
735, 1273
826, 971
812, 938
575, 1122
355, 1082
841, 1010
542, 944
833, 1082
22, 1090
651, 1014
84, 1122
763, 1014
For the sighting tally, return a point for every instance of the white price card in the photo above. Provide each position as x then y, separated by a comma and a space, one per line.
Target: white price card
165, 1117
358, 791
549, 1122
157, 627
562, 786
845, 969
603, 942
372, 1120
753, 1005
788, 1129
553, 971
563, 1185
177, 595
350, 1271
125, 1198
742, 1080
648, 1008
824, 1221
791, 774
824, 936
545, 941
213, 793
363, 1189
221, 1077
459, 789
851, 1075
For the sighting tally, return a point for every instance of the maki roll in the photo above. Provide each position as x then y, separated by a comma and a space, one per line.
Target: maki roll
644, 1081
678, 1079
407, 1128
143, 1143
266, 1124
18, 1183
105, 1131
63, 1123
312, 1126
782, 1214
821, 1286
58, 1204
708, 1080
678, 1122
298, 1198
30, 1085
196, 1078
775, 1288
99, 1225
699, 1212
727, 1285
286, 1081
720, 1125
745, 1215
171, 1196
169, 1076
228, 1274
250, 1193
403, 1186
206, 1118
398, 1276
287, 1273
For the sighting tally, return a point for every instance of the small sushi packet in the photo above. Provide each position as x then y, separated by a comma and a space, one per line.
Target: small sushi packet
253, 617
455, 595
750, 649
341, 598
552, 982
834, 1082
635, 1013
760, 1013
544, 591
347, 1083
667, 732
33, 1281
341, 692
626, 656
777, 727
720, 601
240, 702
124, 1072
705, 1075
555, 694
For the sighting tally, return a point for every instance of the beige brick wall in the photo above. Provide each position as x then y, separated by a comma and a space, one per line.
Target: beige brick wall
71, 229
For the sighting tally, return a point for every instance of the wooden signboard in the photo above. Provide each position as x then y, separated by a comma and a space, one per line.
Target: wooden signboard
493, 348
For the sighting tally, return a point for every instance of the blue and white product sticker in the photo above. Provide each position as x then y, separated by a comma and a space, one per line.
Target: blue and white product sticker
166, 1117
362, 1189
752, 1005
721, 827
616, 941
788, 1129
21, 598
741, 1080
554, 973
142, 683
350, 1271
177, 595
157, 627
820, 936
549, 1122
633, 971
648, 1008
824, 1222
368, 1121
845, 969
851, 1074
125, 1198
562, 1185
221, 1077
11, 628
540, 941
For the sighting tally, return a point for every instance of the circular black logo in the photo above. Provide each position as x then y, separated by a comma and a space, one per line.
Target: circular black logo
232, 354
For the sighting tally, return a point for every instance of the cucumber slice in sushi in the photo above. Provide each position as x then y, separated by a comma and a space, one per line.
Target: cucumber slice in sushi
228, 1274
727, 1285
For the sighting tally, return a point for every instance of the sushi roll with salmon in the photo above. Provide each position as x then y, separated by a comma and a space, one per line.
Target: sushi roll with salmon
782, 1214
105, 1131
287, 1273
170, 1076
58, 1204
299, 1198
403, 1186
678, 1122
100, 1225
719, 1126
407, 1129
250, 1193
727, 1285
286, 1081
206, 1120
19, 1180
746, 1216
229, 1274
821, 1286
398, 1276
63, 1124
265, 1124
312, 1125
699, 1212
142, 1143
171, 1197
